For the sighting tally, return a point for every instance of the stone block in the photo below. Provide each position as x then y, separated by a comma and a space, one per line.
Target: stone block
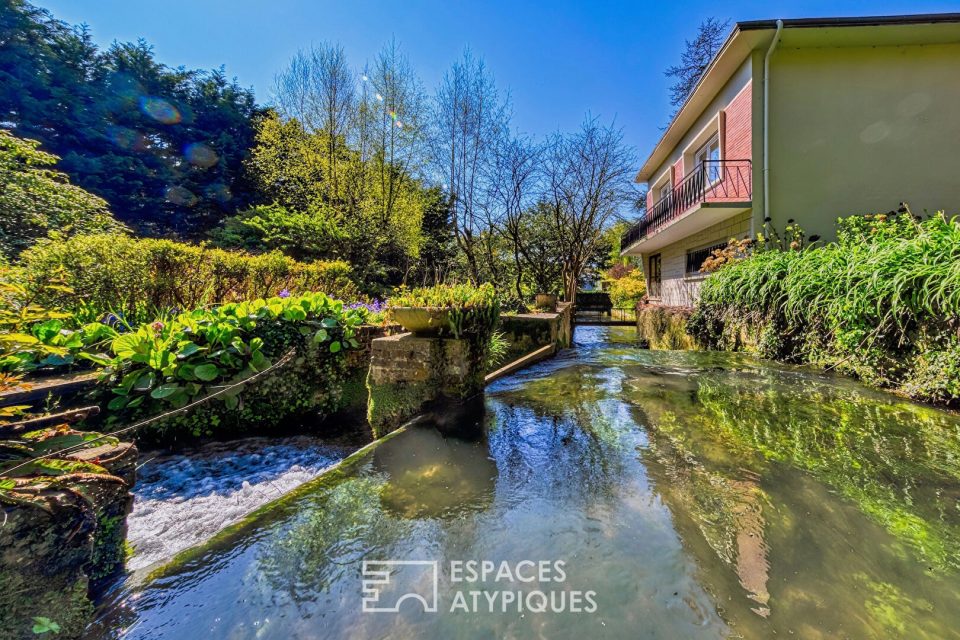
407, 372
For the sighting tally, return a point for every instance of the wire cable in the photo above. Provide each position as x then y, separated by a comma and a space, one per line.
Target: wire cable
86, 444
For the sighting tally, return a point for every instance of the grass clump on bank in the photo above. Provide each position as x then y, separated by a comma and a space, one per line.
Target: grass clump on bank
881, 303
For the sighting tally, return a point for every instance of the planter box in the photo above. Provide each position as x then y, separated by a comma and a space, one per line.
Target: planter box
423, 321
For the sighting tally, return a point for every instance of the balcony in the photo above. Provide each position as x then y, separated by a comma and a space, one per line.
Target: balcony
714, 191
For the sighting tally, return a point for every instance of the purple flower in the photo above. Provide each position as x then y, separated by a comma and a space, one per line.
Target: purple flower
373, 307
285, 293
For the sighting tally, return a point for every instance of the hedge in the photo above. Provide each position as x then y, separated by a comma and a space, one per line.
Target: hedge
139, 279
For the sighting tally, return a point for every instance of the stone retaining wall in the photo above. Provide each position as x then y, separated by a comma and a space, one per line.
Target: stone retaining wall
407, 372
527, 332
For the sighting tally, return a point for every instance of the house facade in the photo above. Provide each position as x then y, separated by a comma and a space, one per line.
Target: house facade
806, 120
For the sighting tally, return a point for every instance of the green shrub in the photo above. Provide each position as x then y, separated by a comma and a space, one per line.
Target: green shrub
139, 279
169, 363
302, 235
34, 337
35, 198
626, 286
880, 303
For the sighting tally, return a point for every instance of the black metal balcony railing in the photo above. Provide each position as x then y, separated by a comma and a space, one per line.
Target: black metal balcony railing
713, 181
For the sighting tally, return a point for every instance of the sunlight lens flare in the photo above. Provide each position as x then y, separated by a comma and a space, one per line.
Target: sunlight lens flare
160, 110
180, 196
200, 155
126, 138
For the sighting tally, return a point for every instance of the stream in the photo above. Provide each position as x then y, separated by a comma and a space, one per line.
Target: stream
613, 492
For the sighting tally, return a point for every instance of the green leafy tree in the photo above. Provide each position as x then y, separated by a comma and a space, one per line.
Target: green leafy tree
165, 147
36, 199
289, 164
541, 250
303, 235
439, 249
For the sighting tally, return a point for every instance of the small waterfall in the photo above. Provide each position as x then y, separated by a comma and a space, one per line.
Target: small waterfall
182, 499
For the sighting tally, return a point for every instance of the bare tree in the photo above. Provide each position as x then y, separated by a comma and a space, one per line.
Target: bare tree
319, 89
393, 112
695, 59
588, 180
515, 187
470, 117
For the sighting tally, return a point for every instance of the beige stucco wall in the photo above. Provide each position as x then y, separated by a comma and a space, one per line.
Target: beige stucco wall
677, 289
860, 129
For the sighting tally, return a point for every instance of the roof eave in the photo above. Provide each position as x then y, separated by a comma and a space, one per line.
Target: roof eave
709, 77
758, 30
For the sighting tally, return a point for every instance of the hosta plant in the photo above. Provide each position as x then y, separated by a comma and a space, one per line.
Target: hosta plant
34, 337
173, 361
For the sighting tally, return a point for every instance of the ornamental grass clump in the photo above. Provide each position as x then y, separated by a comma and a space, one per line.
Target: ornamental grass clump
883, 303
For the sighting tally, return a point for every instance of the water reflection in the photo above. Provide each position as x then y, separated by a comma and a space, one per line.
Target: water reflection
832, 507
700, 495
435, 477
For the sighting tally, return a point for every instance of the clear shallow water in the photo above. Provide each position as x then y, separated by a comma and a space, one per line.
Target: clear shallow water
182, 499
699, 495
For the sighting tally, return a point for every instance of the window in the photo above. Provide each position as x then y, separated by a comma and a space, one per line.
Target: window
654, 263
696, 257
664, 192
708, 156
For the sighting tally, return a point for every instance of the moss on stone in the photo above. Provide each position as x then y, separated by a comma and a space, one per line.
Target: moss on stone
109, 544
389, 405
407, 372
66, 604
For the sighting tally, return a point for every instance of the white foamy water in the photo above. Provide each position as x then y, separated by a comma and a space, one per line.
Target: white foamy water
183, 499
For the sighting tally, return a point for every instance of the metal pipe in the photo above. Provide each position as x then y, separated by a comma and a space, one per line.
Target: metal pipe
766, 119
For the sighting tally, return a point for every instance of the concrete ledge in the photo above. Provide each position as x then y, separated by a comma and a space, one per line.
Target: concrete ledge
528, 332
531, 358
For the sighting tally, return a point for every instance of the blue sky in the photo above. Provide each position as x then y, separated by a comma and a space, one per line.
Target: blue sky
558, 59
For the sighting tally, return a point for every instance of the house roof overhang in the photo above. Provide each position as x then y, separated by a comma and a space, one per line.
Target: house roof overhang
746, 37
